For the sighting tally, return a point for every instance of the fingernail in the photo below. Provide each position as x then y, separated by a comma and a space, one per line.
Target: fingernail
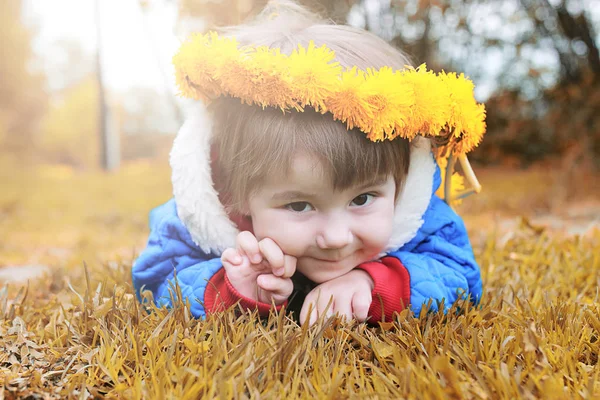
256, 259
279, 271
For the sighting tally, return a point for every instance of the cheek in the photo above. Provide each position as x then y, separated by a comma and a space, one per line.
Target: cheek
262, 225
378, 235
291, 237
377, 232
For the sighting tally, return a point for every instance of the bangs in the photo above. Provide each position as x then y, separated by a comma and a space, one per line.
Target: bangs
255, 143
348, 156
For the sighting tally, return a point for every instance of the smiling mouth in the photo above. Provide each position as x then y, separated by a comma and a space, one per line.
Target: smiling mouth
330, 260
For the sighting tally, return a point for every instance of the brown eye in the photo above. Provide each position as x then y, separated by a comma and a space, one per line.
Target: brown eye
362, 199
299, 206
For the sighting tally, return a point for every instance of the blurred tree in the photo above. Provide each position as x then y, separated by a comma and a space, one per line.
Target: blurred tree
58, 62
535, 62
231, 12
69, 130
70, 127
109, 151
144, 110
146, 123
573, 34
22, 96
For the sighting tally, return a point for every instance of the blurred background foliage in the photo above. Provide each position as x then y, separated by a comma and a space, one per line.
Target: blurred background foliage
539, 60
535, 64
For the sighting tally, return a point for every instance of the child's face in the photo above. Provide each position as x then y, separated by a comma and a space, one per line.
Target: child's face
330, 232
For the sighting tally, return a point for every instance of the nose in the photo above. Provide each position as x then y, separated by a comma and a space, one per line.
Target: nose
335, 233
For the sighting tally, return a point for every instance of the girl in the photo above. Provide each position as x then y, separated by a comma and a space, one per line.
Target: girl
309, 179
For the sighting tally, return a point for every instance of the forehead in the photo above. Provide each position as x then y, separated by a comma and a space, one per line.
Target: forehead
304, 172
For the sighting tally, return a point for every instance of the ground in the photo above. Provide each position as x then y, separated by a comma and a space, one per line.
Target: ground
76, 330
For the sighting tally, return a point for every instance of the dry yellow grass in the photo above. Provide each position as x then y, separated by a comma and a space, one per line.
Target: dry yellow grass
80, 333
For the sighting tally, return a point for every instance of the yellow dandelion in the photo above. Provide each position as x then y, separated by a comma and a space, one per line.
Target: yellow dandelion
382, 103
237, 77
192, 76
272, 85
186, 88
349, 104
314, 75
199, 61
389, 101
431, 107
467, 117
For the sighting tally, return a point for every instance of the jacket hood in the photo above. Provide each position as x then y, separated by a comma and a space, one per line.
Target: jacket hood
203, 214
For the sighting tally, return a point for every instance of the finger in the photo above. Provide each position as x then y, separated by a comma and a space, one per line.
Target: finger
308, 309
361, 302
279, 289
343, 307
232, 257
273, 254
309, 313
314, 314
289, 266
248, 245
325, 305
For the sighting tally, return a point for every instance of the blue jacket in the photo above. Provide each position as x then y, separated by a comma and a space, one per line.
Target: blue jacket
438, 257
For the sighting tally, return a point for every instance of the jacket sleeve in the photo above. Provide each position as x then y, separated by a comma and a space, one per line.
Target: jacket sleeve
391, 291
440, 260
220, 295
169, 251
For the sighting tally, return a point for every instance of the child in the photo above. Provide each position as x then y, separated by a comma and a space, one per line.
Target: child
309, 180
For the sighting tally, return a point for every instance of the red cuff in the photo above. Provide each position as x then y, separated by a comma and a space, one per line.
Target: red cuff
392, 288
221, 295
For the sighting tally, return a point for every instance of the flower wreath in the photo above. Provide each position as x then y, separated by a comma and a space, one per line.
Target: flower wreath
383, 103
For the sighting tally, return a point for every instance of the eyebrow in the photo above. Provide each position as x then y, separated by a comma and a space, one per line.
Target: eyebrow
292, 195
296, 194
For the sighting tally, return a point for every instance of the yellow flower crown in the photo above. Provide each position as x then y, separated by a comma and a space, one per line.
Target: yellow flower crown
383, 103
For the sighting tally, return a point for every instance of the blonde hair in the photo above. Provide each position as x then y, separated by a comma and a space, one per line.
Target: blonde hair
254, 143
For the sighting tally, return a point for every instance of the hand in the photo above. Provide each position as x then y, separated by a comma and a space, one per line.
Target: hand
351, 295
259, 270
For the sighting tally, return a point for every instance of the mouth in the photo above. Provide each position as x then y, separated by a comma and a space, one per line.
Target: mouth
326, 261
320, 270
330, 260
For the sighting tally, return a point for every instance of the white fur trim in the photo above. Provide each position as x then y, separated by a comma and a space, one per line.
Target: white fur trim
198, 204
204, 216
416, 194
